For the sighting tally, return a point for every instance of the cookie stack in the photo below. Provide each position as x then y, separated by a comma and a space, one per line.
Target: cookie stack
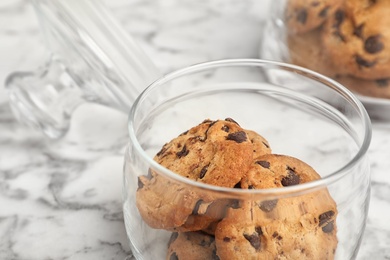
348, 40
212, 225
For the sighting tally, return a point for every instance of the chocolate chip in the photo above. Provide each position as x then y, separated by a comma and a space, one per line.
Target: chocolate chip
231, 120
277, 236
172, 238
291, 179
301, 15
226, 239
328, 228
268, 205
254, 239
264, 164
259, 230
373, 44
358, 31
325, 220
196, 208
238, 185
324, 12
382, 82
174, 256
203, 171
238, 137
225, 128
325, 217
363, 63
183, 152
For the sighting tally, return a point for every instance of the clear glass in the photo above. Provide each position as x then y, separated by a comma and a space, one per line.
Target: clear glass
301, 113
341, 39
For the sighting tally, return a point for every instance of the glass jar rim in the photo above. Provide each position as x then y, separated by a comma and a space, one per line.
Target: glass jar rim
316, 184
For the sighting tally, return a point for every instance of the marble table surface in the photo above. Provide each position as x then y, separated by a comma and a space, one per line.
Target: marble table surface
62, 199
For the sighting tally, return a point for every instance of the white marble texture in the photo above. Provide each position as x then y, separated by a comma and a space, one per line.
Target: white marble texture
62, 199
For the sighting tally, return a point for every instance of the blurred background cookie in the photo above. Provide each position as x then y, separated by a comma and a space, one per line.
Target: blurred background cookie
305, 15
307, 50
358, 39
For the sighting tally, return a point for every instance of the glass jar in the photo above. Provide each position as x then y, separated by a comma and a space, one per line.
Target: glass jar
346, 40
302, 114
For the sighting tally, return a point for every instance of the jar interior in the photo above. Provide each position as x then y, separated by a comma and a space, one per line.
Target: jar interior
300, 114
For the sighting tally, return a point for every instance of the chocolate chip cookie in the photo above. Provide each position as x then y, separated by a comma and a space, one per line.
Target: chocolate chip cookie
213, 152
299, 227
306, 50
357, 39
276, 171
162, 207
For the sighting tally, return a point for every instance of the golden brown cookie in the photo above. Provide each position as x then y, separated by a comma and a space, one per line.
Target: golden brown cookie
357, 39
276, 171
247, 234
167, 204
306, 51
300, 227
162, 207
213, 152
191, 246
305, 15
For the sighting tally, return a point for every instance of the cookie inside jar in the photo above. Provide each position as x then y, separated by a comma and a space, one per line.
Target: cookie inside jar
223, 153
347, 40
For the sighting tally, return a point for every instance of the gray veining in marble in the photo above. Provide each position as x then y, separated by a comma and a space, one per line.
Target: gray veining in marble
62, 199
